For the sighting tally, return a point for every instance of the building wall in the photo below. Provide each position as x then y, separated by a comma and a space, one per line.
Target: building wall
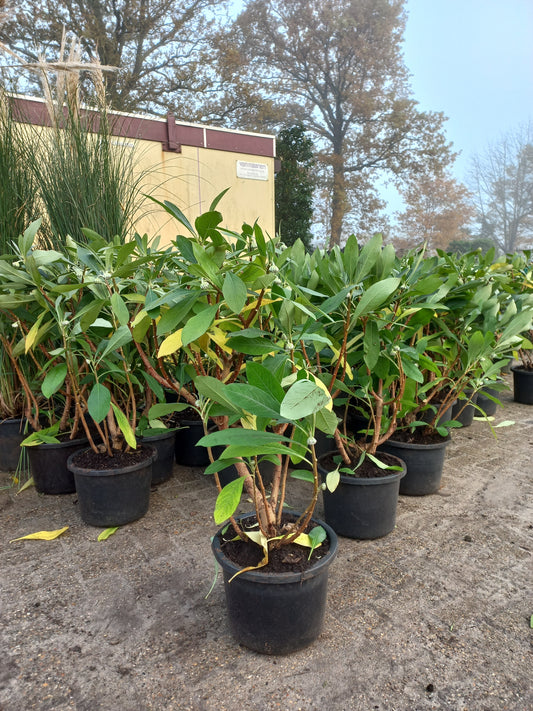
189, 165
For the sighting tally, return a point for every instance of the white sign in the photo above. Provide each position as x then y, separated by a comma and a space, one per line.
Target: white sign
252, 171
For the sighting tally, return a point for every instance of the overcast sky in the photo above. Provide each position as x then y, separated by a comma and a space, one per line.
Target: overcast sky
472, 60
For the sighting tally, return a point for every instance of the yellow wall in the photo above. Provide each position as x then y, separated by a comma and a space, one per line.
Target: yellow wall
193, 178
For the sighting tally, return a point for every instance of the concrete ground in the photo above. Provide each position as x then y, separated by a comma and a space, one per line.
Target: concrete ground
434, 616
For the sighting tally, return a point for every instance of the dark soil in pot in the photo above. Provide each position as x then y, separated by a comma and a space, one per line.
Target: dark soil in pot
364, 504
291, 558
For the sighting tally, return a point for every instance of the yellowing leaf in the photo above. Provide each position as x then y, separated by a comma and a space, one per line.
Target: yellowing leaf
219, 337
108, 532
264, 302
321, 385
249, 422
42, 535
171, 344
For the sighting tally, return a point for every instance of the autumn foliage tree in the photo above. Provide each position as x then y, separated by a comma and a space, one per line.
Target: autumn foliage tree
437, 211
337, 66
161, 47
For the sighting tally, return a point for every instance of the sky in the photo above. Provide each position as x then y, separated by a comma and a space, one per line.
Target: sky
472, 60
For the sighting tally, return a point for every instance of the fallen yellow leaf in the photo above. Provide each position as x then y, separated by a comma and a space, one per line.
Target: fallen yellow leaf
42, 535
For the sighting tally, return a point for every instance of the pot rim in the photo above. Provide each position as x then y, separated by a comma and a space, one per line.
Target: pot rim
75, 469
369, 481
418, 445
59, 445
259, 576
520, 369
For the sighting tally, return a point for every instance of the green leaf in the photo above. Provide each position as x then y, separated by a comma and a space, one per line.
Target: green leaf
99, 402
124, 426
253, 450
53, 380
264, 379
371, 344
333, 479
375, 296
235, 292
228, 500
175, 315
252, 346
199, 324
161, 409
326, 421
317, 535
303, 475
253, 400
108, 532
120, 338
213, 389
119, 308
302, 399
238, 435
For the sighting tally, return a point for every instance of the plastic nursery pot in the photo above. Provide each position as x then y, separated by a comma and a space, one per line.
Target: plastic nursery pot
11, 435
276, 613
230, 473
187, 452
164, 444
464, 410
362, 507
48, 465
488, 406
522, 385
424, 464
113, 497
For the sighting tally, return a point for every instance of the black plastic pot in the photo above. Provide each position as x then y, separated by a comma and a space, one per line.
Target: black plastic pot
228, 474
488, 406
464, 409
424, 464
164, 444
11, 435
522, 385
187, 452
276, 613
48, 466
112, 497
363, 508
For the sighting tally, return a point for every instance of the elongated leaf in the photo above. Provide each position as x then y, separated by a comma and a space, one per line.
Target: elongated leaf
42, 535
235, 292
120, 338
253, 400
252, 346
120, 309
124, 426
376, 295
371, 344
264, 379
199, 324
228, 500
53, 380
171, 344
175, 315
99, 402
302, 399
236, 435
253, 450
108, 532
162, 409
213, 389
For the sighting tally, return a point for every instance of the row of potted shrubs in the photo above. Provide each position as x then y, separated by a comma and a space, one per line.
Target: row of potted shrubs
284, 356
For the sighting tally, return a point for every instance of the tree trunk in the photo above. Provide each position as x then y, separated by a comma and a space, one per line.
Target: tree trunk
338, 201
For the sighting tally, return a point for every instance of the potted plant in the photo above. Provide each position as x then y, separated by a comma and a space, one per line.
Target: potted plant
218, 342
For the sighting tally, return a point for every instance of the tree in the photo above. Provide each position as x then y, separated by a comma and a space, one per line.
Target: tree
160, 46
337, 66
294, 185
502, 182
438, 209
